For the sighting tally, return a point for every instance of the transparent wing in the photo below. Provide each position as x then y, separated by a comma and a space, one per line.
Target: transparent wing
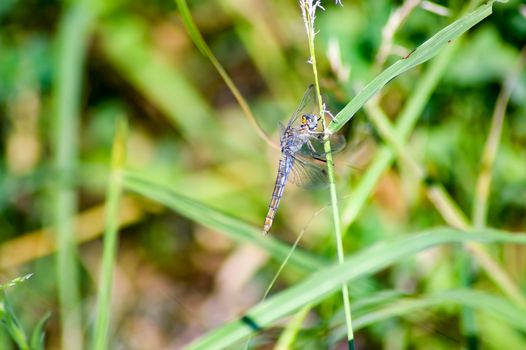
308, 174
308, 105
359, 132
315, 147
281, 128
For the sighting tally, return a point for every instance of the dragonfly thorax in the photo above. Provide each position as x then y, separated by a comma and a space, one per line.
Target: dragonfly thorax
292, 140
294, 137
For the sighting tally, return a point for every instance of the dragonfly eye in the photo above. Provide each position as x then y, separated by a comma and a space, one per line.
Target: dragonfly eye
310, 121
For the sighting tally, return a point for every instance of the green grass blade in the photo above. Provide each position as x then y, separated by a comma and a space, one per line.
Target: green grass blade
477, 300
259, 36
381, 310
114, 193
485, 177
12, 324
424, 52
405, 124
289, 335
38, 336
192, 30
308, 10
407, 120
234, 228
330, 279
445, 205
8, 319
124, 44
73, 35
501, 334
205, 50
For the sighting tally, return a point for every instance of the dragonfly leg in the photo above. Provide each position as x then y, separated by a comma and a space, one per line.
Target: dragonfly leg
311, 146
317, 133
325, 110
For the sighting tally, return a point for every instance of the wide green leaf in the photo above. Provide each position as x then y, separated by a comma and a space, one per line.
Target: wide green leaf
221, 222
324, 282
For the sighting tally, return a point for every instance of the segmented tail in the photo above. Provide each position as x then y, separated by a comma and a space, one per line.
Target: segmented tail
285, 165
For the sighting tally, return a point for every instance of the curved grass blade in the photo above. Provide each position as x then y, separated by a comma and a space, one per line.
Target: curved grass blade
289, 335
12, 324
198, 40
38, 336
330, 279
216, 220
113, 200
74, 32
482, 301
424, 52
123, 43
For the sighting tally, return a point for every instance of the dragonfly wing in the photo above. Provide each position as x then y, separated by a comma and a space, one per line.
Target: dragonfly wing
308, 174
315, 148
281, 129
337, 142
308, 105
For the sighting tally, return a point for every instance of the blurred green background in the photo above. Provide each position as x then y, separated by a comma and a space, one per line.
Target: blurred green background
69, 70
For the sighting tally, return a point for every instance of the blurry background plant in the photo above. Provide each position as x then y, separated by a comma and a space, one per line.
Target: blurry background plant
11, 325
190, 257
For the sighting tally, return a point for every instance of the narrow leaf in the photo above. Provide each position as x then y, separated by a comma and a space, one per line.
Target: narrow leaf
327, 281
38, 336
216, 220
423, 53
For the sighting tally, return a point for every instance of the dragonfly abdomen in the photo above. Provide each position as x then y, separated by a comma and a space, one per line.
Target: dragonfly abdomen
285, 166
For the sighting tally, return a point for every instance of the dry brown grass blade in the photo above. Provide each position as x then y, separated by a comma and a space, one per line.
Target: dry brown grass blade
89, 225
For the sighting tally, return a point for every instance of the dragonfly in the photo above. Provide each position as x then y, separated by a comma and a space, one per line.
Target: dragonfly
302, 152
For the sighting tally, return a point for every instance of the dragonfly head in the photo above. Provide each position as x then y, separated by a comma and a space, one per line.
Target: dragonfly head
309, 121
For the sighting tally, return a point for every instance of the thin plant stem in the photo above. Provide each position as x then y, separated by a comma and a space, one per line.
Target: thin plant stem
277, 274
114, 193
308, 9
291, 251
483, 185
406, 123
480, 207
468, 322
198, 40
72, 37
281, 267
396, 19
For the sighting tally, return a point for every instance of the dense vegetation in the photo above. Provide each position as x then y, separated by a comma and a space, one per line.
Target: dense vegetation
135, 181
